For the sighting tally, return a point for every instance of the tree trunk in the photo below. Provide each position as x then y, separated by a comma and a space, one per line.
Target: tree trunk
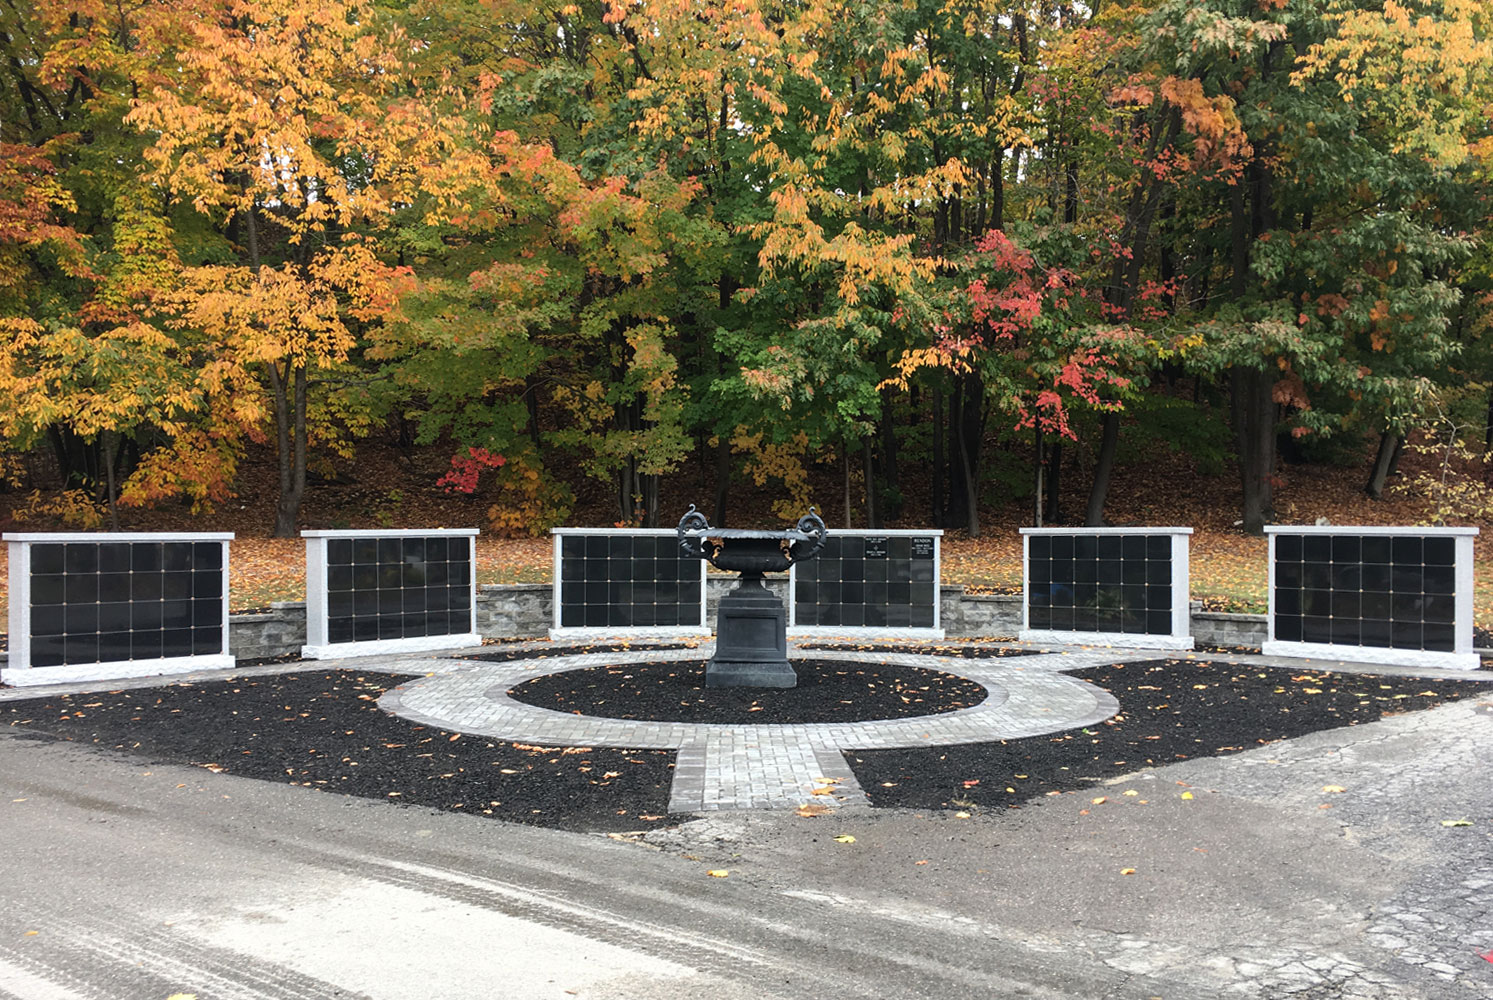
290, 440
1038, 507
845, 454
1054, 482
936, 487
1254, 414
1394, 458
954, 501
722, 479
971, 436
1103, 470
1488, 431
650, 501
892, 496
110, 449
1389, 446
531, 403
873, 513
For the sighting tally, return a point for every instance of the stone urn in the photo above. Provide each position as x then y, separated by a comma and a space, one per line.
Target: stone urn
751, 645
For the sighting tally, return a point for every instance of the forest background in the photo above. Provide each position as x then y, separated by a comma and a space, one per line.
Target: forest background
276, 264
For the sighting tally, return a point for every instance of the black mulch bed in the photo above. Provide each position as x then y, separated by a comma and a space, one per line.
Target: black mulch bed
974, 651
543, 652
324, 729
1170, 710
827, 691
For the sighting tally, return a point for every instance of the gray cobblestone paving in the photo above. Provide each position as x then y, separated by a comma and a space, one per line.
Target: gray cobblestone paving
1393, 785
767, 766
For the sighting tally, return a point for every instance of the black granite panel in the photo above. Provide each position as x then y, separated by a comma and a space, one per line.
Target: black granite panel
397, 588
101, 602
870, 581
1366, 590
627, 581
1100, 583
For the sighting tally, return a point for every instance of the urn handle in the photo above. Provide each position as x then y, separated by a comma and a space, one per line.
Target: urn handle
812, 525
692, 521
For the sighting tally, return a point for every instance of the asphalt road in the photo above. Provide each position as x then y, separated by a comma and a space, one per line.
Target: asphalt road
124, 880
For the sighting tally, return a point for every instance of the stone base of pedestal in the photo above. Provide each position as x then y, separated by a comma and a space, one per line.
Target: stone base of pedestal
751, 645
755, 675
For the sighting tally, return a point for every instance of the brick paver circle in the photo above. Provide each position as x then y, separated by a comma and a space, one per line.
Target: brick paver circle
1026, 697
743, 766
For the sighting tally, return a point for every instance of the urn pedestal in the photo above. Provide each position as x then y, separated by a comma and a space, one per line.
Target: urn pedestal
751, 647
751, 643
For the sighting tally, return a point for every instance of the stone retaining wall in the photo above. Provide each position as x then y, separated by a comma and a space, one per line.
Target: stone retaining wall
526, 611
281, 631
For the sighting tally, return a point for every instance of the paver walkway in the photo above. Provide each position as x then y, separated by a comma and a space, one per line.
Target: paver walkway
767, 766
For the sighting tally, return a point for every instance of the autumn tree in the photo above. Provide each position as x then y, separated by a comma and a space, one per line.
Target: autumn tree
281, 124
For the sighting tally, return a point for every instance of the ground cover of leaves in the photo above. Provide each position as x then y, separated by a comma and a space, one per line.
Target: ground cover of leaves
1170, 710
323, 729
827, 691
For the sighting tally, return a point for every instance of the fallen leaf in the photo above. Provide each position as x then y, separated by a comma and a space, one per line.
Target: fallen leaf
718, 872
811, 809
961, 815
1333, 789
182, 996
972, 783
1456, 822
1187, 795
1131, 791
925, 862
1099, 801
1127, 871
844, 838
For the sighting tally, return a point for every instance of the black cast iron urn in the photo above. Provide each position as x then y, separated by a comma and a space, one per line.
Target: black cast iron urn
751, 643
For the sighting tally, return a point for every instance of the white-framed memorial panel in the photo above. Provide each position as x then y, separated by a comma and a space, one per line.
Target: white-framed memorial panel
618, 583
1108, 586
372, 591
1374, 594
104, 605
873, 583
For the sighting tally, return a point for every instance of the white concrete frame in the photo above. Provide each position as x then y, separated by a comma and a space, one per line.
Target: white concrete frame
1180, 636
1460, 658
18, 669
622, 631
319, 645
875, 631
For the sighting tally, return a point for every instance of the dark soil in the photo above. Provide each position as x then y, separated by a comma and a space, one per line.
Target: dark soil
540, 653
323, 729
1170, 710
973, 651
827, 691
